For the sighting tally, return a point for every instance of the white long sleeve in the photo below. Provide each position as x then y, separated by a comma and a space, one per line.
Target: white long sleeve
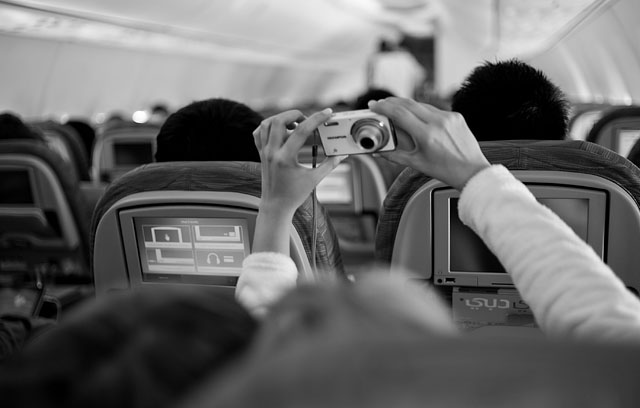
265, 278
571, 292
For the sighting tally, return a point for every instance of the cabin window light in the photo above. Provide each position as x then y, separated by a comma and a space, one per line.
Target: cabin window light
140, 116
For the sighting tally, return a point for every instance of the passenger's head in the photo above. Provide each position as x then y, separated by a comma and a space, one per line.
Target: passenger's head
376, 303
209, 130
374, 94
87, 134
387, 343
159, 114
12, 127
134, 349
414, 371
511, 100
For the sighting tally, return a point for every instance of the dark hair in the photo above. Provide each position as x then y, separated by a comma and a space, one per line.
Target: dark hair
374, 94
133, 349
210, 130
511, 100
87, 134
12, 127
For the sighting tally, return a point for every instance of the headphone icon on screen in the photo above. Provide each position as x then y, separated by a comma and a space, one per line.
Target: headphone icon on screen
217, 259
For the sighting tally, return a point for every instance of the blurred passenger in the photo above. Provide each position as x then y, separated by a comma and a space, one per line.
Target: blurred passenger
115, 119
12, 127
143, 348
159, 114
511, 100
400, 367
209, 130
570, 290
377, 303
87, 134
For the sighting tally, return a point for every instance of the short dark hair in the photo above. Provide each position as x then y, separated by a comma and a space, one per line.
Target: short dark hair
511, 100
210, 130
12, 127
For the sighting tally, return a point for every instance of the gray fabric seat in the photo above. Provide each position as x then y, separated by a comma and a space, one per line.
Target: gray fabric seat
231, 177
568, 156
608, 130
54, 227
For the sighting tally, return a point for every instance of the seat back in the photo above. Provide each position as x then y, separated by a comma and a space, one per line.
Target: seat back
582, 122
193, 223
120, 149
595, 191
618, 129
634, 154
43, 217
66, 142
353, 194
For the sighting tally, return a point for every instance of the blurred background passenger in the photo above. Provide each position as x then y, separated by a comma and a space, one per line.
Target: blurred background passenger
410, 370
159, 114
209, 130
12, 127
87, 134
511, 100
143, 348
378, 303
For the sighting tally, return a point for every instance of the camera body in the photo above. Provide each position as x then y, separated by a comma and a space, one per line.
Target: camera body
357, 132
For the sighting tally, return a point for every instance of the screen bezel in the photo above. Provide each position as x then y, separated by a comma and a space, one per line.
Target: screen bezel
129, 233
442, 273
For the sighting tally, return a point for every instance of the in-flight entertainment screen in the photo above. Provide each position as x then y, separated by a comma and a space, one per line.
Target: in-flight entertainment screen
191, 249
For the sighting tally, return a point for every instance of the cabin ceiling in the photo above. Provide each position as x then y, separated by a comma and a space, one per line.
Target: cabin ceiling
287, 51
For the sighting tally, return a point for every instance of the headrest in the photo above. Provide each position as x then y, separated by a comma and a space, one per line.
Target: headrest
236, 177
66, 175
572, 156
608, 117
74, 144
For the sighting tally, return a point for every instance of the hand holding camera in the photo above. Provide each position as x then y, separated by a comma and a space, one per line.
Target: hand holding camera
443, 145
357, 132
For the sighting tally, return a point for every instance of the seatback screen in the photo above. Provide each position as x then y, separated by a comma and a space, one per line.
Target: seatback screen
15, 187
190, 249
468, 253
132, 154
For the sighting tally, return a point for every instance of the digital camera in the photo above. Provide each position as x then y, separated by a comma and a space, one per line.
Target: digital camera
357, 132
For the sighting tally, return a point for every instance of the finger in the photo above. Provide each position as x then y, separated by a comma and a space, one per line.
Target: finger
401, 117
398, 156
425, 112
261, 135
404, 140
305, 128
278, 125
326, 167
256, 138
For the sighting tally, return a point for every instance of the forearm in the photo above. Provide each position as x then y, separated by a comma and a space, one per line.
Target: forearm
570, 290
268, 273
273, 228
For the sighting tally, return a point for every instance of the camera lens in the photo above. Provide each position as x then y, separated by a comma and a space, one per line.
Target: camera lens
370, 134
